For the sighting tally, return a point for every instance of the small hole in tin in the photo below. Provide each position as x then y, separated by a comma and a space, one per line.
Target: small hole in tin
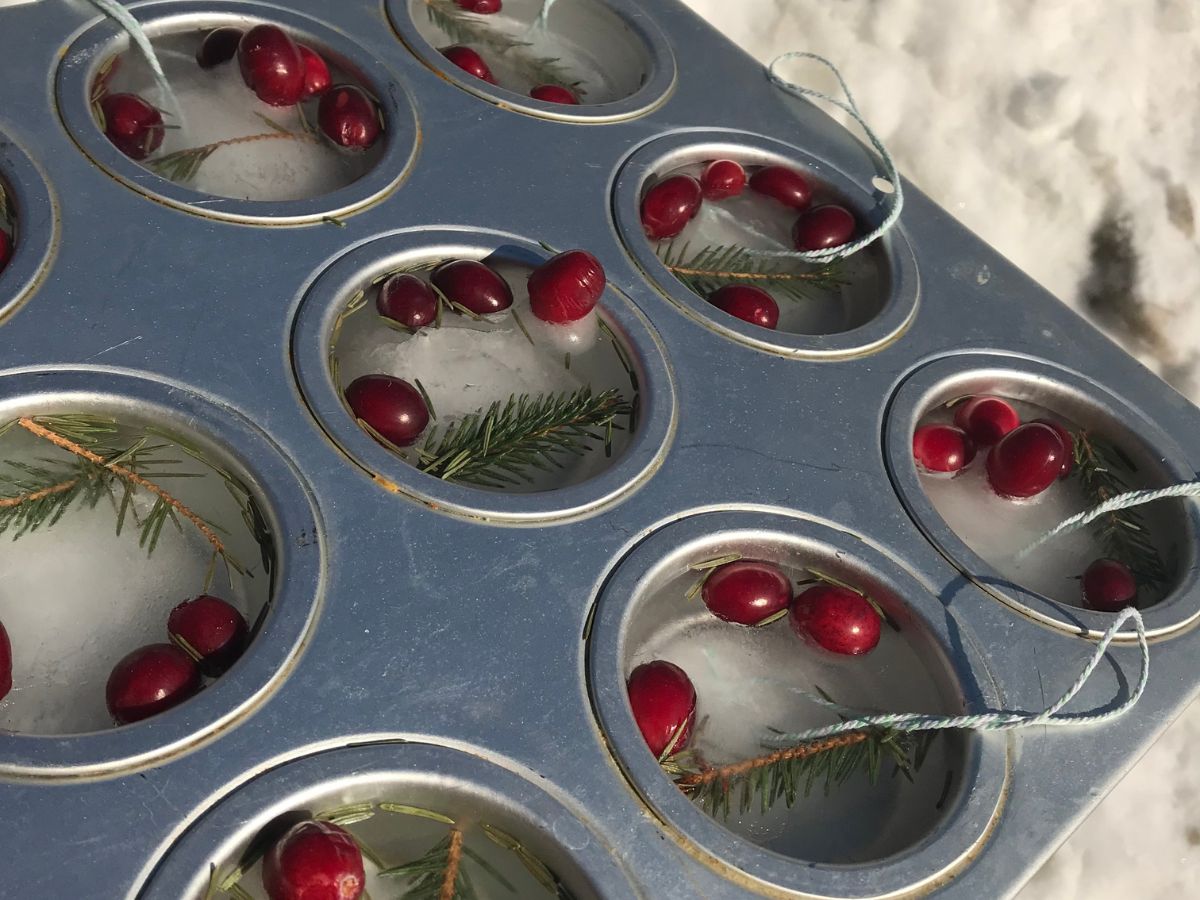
113, 522
585, 48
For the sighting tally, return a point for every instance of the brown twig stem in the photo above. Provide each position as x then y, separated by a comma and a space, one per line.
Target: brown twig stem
747, 276
247, 139
132, 477
34, 496
453, 859
733, 770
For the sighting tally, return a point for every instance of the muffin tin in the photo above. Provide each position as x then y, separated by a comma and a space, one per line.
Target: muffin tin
466, 649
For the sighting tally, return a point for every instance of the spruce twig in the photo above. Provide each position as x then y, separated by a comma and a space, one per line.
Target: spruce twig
184, 165
717, 265
497, 446
40, 493
1102, 470
792, 772
462, 27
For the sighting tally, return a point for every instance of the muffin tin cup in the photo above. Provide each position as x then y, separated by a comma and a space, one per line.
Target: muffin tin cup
973, 805
665, 154
1085, 402
88, 51
314, 331
298, 574
455, 783
36, 232
607, 23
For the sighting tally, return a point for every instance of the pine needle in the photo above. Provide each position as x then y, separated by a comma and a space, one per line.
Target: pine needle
462, 27
790, 774
1103, 471
499, 445
718, 265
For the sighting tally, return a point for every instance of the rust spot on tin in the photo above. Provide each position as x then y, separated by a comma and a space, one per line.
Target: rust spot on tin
386, 484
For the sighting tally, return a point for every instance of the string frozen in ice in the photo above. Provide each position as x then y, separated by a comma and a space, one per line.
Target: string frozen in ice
851, 109
137, 35
1004, 720
1114, 504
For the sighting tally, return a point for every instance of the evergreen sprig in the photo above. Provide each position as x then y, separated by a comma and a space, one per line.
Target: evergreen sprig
7, 218
119, 463
717, 265
1103, 471
440, 872
463, 27
498, 446
789, 774
182, 166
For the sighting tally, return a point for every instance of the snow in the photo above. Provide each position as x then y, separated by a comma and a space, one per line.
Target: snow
1035, 122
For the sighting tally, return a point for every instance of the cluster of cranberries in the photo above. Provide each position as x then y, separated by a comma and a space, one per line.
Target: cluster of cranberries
314, 860
473, 64
280, 71
749, 592
1023, 461
673, 202
562, 290
208, 636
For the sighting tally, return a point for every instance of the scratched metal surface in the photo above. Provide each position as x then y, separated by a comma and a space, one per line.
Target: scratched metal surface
409, 623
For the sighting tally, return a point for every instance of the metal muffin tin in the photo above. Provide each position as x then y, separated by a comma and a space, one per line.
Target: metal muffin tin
449, 642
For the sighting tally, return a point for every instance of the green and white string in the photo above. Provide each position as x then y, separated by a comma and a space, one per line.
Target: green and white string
123, 17
1005, 720
894, 200
1127, 500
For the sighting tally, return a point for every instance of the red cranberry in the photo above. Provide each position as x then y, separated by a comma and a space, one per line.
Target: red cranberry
314, 861
316, 73
133, 125
823, 227
5, 249
271, 65
150, 680
486, 7
408, 300
748, 303
1109, 586
1068, 442
722, 178
664, 705
5, 663
348, 117
554, 93
986, 419
212, 628
391, 406
470, 62
669, 206
470, 283
942, 448
836, 619
566, 287
219, 45
780, 183
747, 592
1026, 461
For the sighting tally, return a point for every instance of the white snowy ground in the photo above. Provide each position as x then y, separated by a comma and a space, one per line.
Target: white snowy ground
1035, 122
